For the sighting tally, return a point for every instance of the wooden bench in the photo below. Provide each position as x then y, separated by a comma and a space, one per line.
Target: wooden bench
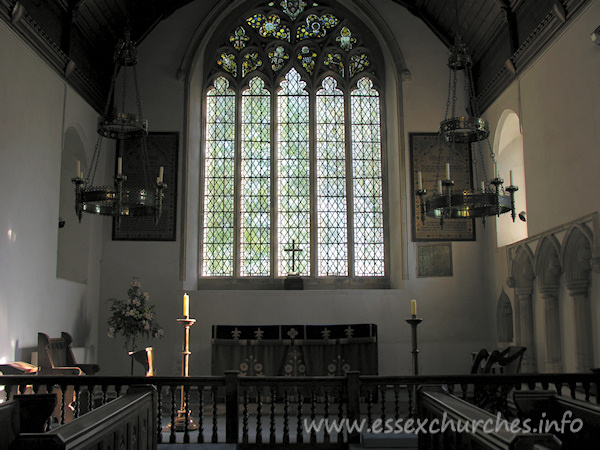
24, 414
435, 403
129, 422
578, 421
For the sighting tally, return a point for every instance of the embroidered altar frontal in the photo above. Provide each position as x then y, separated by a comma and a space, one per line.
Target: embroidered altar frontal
294, 350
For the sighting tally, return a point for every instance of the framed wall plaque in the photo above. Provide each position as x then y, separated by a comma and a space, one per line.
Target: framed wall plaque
434, 260
163, 150
425, 156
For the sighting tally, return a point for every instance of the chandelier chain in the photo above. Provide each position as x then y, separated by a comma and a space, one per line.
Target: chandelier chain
449, 93
145, 155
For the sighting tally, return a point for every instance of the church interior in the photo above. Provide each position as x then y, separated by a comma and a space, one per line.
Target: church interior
529, 280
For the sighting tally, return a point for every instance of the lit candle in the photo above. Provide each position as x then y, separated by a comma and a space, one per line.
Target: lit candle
186, 306
119, 166
420, 176
78, 167
161, 173
511, 180
447, 171
413, 307
440, 186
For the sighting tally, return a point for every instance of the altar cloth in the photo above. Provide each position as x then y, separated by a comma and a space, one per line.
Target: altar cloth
294, 350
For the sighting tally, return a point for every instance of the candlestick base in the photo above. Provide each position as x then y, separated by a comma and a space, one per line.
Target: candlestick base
180, 422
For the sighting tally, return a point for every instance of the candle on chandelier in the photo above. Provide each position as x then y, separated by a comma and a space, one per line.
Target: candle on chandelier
420, 176
447, 171
119, 166
78, 167
511, 179
440, 186
413, 308
495, 170
161, 173
186, 306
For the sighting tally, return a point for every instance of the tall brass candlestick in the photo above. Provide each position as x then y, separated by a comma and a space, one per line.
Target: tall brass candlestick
183, 415
414, 321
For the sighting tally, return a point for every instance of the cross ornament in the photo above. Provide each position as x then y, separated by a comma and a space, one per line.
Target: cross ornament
293, 249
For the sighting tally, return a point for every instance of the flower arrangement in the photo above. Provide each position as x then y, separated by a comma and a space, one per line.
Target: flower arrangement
133, 318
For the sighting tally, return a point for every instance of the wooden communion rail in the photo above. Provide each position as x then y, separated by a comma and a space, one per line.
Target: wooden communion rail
263, 412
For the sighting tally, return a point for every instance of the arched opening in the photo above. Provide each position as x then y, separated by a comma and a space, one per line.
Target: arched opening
509, 145
504, 319
72, 253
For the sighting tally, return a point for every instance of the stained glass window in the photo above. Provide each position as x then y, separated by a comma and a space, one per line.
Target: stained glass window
219, 172
367, 183
255, 235
293, 165
293, 175
331, 181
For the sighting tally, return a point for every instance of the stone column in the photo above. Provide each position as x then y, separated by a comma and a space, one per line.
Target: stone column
553, 362
525, 325
584, 350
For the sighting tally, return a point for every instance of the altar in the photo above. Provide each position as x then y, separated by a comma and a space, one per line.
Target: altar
294, 350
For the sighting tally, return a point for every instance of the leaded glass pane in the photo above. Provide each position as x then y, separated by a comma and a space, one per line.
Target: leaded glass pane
293, 176
367, 183
218, 252
270, 27
332, 237
345, 39
255, 236
293, 8
316, 27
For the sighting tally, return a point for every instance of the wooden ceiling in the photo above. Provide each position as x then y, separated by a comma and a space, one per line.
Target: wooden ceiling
501, 35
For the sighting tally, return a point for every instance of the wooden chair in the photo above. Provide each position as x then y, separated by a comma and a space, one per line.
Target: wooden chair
55, 357
496, 398
505, 361
479, 359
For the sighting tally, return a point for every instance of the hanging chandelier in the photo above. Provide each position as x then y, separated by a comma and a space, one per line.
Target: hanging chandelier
121, 199
491, 198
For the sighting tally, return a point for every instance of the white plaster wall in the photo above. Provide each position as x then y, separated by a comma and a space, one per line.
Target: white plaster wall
559, 109
36, 104
455, 311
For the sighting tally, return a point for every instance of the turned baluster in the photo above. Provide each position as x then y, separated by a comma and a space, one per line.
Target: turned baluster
259, 416
245, 419
286, 418
340, 436
326, 438
173, 437
201, 414
272, 417
158, 415
215, 434
299, 436
313, 416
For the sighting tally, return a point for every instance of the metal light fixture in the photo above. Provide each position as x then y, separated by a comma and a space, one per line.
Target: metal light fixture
121, 199
491, 198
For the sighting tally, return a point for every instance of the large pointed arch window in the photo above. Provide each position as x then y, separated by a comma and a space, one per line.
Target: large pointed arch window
292, 172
